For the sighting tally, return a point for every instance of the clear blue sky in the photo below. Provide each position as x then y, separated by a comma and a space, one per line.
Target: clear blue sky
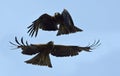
100, 19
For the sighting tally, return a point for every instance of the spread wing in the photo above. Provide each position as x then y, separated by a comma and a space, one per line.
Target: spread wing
67, 18
67, 26
62, 51
44, 22
30, 49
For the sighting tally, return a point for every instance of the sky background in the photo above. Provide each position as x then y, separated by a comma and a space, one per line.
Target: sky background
100, 19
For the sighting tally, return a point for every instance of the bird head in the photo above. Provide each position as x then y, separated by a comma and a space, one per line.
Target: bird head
57, 15
50, 43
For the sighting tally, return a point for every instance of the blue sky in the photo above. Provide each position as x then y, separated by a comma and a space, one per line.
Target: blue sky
100, 19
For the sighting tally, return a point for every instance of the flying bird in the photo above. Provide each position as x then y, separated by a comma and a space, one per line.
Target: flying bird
43, 51
50, 23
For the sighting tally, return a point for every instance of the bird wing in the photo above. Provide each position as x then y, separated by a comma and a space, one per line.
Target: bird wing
34, 27
62, 51
30, 49
33, 49
67, 18
67, 26
44, 22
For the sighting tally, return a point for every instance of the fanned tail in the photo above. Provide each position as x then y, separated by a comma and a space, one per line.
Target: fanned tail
40, 59
74, 29
68, 29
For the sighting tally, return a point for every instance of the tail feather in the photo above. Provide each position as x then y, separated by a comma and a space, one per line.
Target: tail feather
40, 59
74, 29
68, 29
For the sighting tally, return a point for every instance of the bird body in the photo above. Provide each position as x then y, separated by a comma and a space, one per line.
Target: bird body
44, 50
50, 23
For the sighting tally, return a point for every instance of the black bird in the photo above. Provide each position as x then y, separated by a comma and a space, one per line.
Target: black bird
42, 51
50, 23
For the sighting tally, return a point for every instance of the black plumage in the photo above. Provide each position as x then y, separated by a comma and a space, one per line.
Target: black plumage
42, 51
50, 23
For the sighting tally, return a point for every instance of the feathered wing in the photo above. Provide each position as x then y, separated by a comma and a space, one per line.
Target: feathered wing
62, 51
44, 22
67, 26
42, 51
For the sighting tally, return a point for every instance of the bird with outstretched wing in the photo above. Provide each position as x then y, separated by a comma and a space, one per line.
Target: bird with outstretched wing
43, 51
50, 23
